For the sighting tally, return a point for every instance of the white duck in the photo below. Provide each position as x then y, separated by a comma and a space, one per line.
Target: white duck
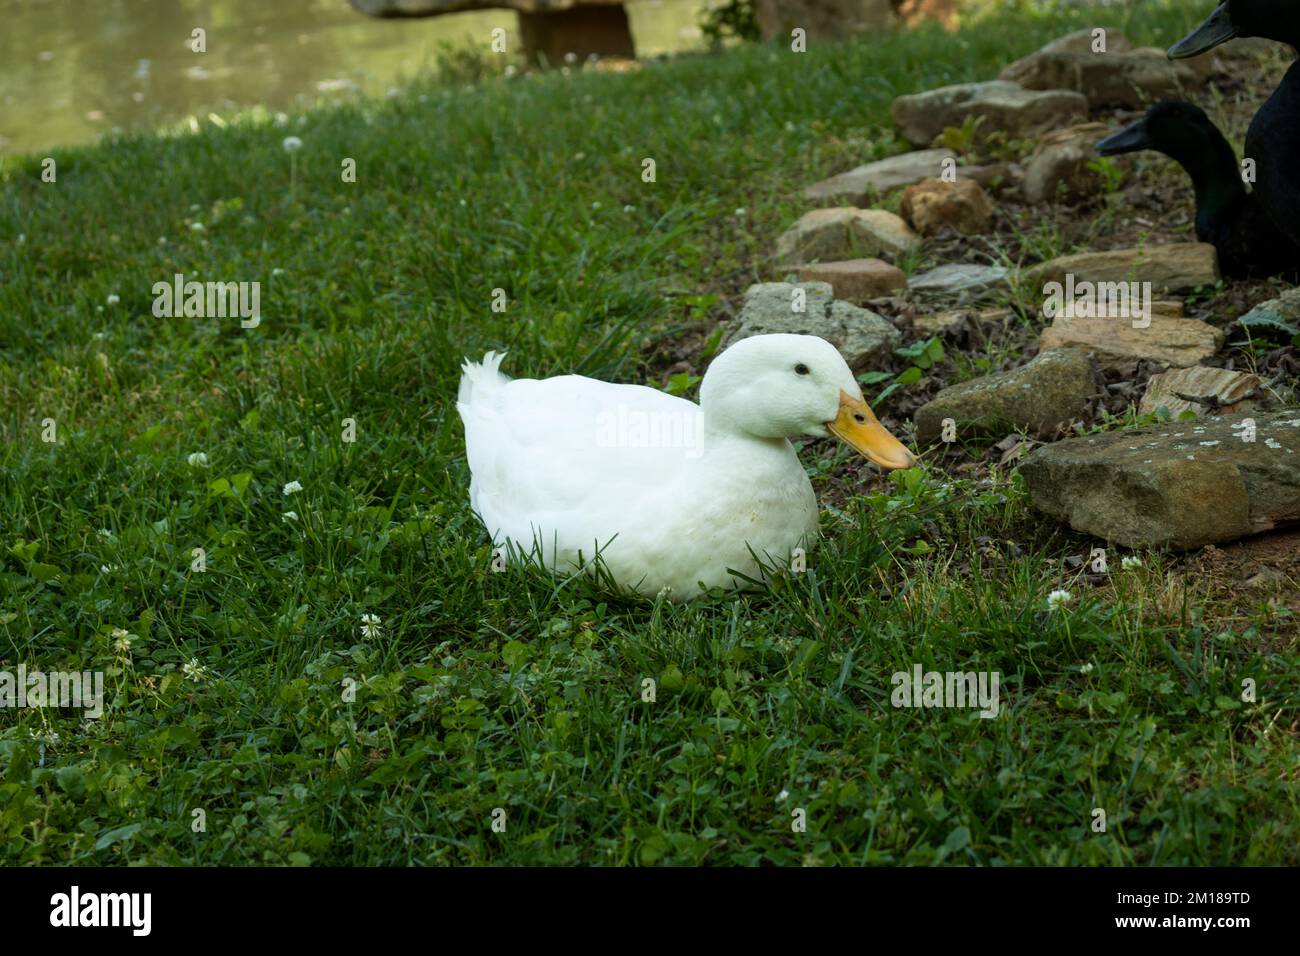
672, 495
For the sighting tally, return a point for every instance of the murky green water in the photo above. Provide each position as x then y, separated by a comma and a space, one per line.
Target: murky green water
71, 70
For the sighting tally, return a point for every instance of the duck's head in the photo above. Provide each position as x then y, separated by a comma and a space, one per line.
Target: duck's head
1174, 127
790, 386
1271, 19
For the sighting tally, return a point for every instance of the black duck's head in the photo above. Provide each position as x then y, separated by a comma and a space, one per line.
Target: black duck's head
1270, 19
1174, 127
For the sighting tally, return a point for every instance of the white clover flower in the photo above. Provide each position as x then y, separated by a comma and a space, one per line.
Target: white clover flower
629, 208
1086, 668
292, 488
740, 212
1058, 599
596, 204
783, 796
511, 70
281, 119
104, 533
107, 568
122, 640
193, 670
1130, 561
291, 144
370, 625
570, 57
112, 299
197, 459
289, 516
196, 227
277, 272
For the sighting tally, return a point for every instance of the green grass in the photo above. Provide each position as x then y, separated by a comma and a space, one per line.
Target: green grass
515, 690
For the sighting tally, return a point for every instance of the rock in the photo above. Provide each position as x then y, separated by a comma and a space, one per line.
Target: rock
823, 19
992, 174
1059, 167
1285, 308
1178, 485
864, 338
1006, 107
884, 233
1266, 579
844, 233
856, 280
548, 29
958, 278
1128, 78
1200, 389
1247, 48
859, 186
933, 205
1179, 267
1115, 342
954, 320
1054, 388
820, 234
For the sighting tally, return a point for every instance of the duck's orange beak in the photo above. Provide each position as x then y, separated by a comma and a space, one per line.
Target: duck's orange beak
857, 425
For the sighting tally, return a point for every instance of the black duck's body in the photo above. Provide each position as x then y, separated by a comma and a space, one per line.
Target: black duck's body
1273, 142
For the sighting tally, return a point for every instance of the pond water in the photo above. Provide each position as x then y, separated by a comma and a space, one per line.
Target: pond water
72, 70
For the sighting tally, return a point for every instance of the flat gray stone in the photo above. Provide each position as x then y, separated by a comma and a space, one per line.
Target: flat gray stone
1176, 267
1128, 78
1006, 107
1178, 485
865, 339
858, 186
958, 278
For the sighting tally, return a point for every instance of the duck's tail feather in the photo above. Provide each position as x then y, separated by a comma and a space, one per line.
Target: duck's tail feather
481, 378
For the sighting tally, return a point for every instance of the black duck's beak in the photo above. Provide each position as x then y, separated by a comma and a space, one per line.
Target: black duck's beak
1128, 140
1218, 28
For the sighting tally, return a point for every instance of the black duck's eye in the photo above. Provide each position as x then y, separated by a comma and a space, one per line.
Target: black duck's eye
859, 417
801, 369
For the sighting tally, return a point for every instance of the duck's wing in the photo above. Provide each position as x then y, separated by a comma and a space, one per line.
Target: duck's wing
568, 455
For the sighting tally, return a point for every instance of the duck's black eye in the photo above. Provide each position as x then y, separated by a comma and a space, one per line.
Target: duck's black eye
801, 369
859, 417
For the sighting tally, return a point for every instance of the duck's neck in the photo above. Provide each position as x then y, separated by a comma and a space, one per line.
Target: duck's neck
1216, 178
723, 436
